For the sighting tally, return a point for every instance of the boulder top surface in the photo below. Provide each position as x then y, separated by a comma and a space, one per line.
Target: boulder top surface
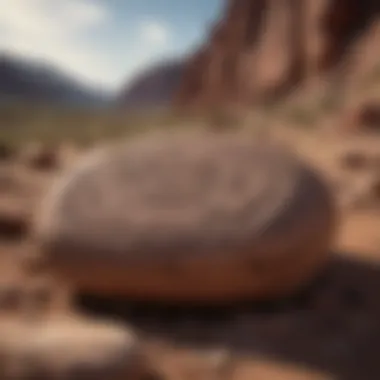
170, 193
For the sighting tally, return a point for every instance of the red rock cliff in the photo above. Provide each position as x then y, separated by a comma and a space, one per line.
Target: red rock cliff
263, 49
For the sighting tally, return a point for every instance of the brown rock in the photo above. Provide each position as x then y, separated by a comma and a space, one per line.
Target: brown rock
264, 49
375, 189
27, 299
41, 157
200, 217
11, 296
369, 116
364, 118
355, 160
14, 224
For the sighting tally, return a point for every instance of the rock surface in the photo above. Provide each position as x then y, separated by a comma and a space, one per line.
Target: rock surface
192, 216
68, 347
264, 49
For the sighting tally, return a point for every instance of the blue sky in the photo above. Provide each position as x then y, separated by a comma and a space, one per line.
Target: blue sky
104, 42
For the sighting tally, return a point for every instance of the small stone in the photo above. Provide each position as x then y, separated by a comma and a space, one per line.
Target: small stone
11, 296
354, 160
14, 224
369, 116
41, 157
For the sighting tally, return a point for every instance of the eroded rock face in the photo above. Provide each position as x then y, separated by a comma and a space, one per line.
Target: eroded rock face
263, 49
188, 217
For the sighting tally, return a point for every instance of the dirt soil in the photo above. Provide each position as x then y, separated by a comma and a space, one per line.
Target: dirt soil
330, 330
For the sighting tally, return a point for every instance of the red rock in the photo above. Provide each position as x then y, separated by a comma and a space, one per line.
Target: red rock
263, 49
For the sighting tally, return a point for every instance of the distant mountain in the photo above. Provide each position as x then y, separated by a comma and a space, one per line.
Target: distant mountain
27, 80
154, 87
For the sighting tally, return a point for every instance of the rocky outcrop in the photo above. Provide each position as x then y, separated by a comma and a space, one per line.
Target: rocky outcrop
264, 49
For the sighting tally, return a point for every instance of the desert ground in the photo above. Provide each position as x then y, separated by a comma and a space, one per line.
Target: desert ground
331, 330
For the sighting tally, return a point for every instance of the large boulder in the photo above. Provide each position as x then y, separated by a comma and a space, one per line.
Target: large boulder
188, 217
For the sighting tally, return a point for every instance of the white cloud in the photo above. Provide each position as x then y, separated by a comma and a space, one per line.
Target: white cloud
154, 32
56, 30
83, 14
52, 30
